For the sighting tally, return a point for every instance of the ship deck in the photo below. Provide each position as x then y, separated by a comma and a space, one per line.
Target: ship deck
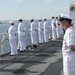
45, 60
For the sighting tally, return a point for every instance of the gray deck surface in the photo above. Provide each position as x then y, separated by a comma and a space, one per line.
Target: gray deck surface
45, 60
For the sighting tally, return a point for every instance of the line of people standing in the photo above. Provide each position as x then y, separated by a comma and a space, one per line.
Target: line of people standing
13, 37
55, 28
42, 30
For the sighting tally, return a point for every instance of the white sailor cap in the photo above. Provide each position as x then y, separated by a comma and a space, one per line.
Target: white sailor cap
64, 17
11, 22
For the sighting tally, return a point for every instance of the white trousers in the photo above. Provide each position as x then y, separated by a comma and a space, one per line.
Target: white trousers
41, 36
34, 37
69, 64
22, 43
13, 44
46, 35
58, 31
53, 33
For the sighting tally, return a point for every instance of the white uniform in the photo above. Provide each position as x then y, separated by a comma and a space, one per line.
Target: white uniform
68, 55
13, 40
34, 33
53, 29
46, 31
40, 32
21, 36
50, 32
57, 29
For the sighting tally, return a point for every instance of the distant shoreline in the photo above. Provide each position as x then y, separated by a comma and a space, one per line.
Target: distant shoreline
2, 23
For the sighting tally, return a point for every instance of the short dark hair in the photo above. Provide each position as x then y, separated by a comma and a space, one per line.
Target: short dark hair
20, 20
52, 16
45, 19
11, 23
56, 17
39, 20
32, 20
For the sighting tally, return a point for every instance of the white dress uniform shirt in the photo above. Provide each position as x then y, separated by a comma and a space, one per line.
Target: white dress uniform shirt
68, 54
21, 36
13, 39
21, 29
53, 29
12, 32
57, 28
34, 33
40, 32
46, 31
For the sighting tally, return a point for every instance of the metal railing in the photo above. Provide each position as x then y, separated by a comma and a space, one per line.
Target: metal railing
4, 42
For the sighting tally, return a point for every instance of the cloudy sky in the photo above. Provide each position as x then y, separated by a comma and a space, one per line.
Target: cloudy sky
27, 9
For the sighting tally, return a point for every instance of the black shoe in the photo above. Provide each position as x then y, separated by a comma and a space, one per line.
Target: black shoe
12, 55
25, 50
35, 46
21, 51
18, 49
27, 47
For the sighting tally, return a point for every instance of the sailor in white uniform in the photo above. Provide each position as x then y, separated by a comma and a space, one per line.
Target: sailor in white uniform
53, 24
57, 28
68, 48
46, 30
34, 30
12, 38
21, 35
40, 32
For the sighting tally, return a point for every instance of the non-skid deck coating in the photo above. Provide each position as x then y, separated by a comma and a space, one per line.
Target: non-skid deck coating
45, 60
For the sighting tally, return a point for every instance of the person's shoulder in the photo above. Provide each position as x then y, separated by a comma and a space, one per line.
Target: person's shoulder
53, 20
13, 27
71, 30
19, 24
32, 22
45, 22
41, 23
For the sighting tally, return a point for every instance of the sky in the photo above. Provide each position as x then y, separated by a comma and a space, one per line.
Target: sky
37, 9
